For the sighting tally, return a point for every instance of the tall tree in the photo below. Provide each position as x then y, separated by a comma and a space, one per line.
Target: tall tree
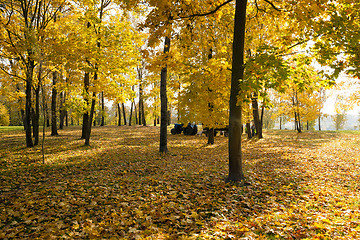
163, 99
235, 156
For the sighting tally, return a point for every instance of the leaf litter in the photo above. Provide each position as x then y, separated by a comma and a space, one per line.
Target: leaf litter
299, 186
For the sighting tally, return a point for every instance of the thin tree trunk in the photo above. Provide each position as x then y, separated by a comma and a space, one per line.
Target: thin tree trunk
143, 114
299, 123
124, 113
131, 111
53, 107
280, 122
262, 117
119, 114
141, 101
86, 98
92, 110
45, 119
27, 118
135, 114
319, 120
235, 156
61, 110
255, 107
36, 118
47, 115
163, 100
102, 110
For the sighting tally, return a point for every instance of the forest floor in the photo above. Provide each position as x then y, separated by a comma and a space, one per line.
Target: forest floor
299, 186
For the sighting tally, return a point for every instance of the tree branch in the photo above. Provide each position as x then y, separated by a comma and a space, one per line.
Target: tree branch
206, 13
273, 6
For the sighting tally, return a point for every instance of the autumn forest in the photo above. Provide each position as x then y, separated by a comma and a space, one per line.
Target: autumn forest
202, 119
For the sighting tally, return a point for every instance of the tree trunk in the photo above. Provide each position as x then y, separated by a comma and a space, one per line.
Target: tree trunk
119, 114
211, 136
299, 123
27, 117
102, 110
262, 117
163, 100
141, 102
135, 114
248, 130
62, 116
211, 132
36, 118
92, 110
319, 120
256, 118
124, 114
168, 117
280, 121
143, 113
53, 107
86, 98
235, 156
131, 111
47, 116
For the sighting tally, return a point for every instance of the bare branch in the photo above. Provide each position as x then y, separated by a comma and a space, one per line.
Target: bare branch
273, 6
206, 13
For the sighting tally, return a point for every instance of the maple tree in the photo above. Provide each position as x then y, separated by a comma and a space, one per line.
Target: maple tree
25, 23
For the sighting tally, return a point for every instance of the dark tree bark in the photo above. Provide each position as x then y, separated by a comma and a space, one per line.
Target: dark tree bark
27, 117
53, 107
255, 107
280, 121
91, 116
140, 110
36, 118
119, 114
131, 111
248, 130
299, 124
168, 117
47, 116
235, 156
66, 118
319, 120
142, 120
262, 116
86, 98
163, 100
124, 113
62, 111
136, 114
143, 114
102, 110
211, 136
211, 132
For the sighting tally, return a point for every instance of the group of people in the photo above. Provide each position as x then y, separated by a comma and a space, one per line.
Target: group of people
190, 129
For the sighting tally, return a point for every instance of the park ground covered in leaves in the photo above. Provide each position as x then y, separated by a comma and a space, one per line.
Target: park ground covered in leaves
298, 186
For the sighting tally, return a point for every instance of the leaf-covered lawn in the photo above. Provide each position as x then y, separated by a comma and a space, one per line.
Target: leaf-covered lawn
299, 186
